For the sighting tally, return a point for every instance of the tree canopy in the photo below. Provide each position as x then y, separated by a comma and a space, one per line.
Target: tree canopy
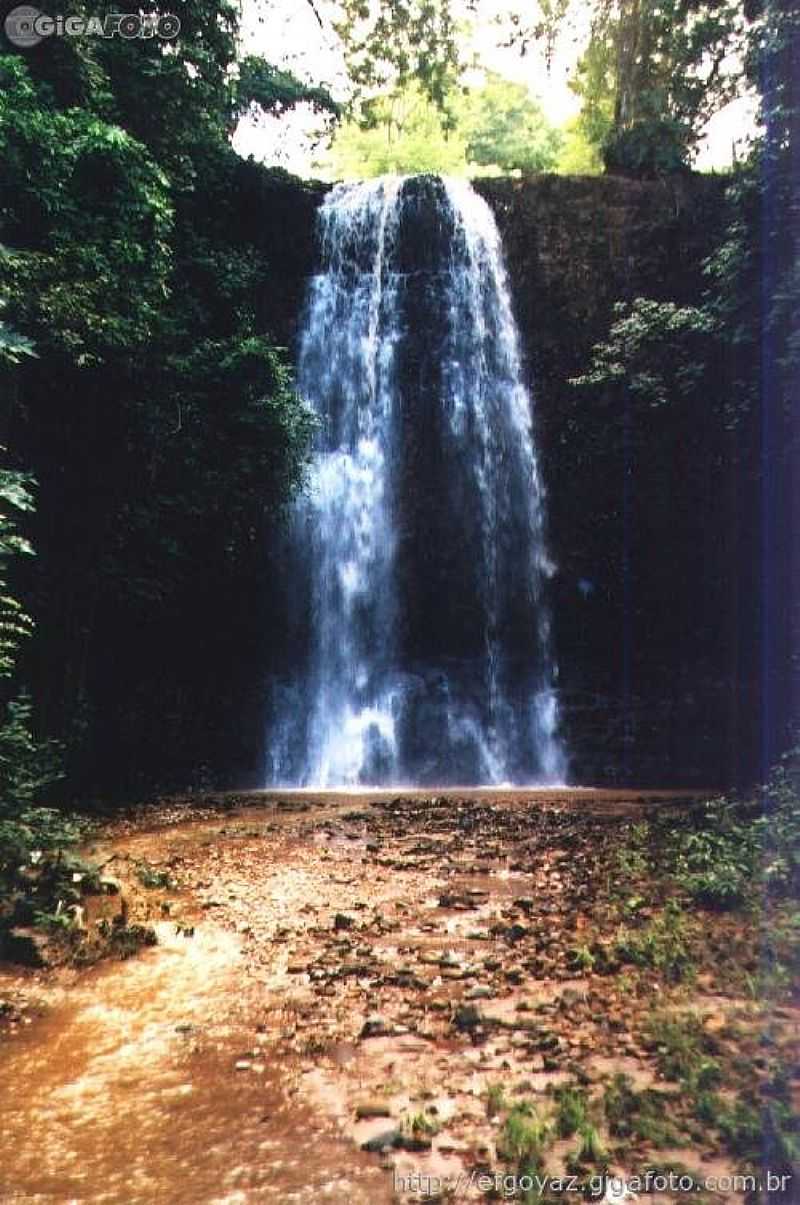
497, 128
652, 75
392, 44
158, 413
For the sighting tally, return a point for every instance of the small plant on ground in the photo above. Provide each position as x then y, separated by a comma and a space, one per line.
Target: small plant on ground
684, 1051
735, 848
495, 1099
125, 940
591, 1150
422, 1123
524, 1137
663, 944
581, 958
572, 1110
717, 863
762, 1127
151, 878
632, 858
641, 1115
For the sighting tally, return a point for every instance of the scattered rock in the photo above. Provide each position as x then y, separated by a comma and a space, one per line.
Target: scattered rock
376, 1027
570, 997
479, 992
382, 1142
414, 1142
372, 1108
467, 1018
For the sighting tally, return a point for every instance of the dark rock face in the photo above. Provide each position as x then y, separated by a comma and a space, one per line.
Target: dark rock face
640, 507
31, 947
653, 686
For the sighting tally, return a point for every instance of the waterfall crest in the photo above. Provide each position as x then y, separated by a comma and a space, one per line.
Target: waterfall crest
421, 648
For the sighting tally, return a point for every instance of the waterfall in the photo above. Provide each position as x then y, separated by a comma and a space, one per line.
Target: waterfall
419, 647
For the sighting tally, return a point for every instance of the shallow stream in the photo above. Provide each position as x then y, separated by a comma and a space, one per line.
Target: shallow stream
126, 1089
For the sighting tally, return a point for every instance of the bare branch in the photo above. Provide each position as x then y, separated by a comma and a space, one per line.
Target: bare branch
315, 11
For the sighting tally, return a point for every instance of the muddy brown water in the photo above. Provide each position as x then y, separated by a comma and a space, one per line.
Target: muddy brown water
126, 1089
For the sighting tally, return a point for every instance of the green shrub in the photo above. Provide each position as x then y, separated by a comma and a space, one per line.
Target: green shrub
591, 1150
524, 1137
684, 1052
663, 944
736, 847
572, 1110
151, 878
640, 1115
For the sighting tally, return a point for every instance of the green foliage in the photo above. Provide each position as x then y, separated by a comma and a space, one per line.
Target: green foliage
152, 879
13, 346
736, 848
175, 435
125, 941
632, 856
656, 350
571, 1111
391, 44
524, 1137
653, 75
577, 155
684, 1051
89, 214
260, 85
15, 624
663, 944
406, 134
34, 875
495, 129
591, 1150
763, 1131
718, 863
506, 128
582, 958
495, 1099
421, 1125
549, 23
594, 83
27, 766
640, 1115
620, 1103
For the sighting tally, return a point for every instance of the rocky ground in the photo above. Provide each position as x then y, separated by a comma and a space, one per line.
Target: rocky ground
496, 998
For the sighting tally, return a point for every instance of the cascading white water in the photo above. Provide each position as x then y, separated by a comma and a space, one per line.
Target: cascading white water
419, 550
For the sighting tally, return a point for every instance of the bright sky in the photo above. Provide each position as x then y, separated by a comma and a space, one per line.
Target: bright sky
287, 33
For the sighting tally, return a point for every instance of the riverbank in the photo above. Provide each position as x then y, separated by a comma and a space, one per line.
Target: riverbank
377, 997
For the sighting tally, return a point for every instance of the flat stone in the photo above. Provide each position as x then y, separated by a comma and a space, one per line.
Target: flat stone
385, 1141
467, 1017
376, 1027
479, 992
372, 1108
